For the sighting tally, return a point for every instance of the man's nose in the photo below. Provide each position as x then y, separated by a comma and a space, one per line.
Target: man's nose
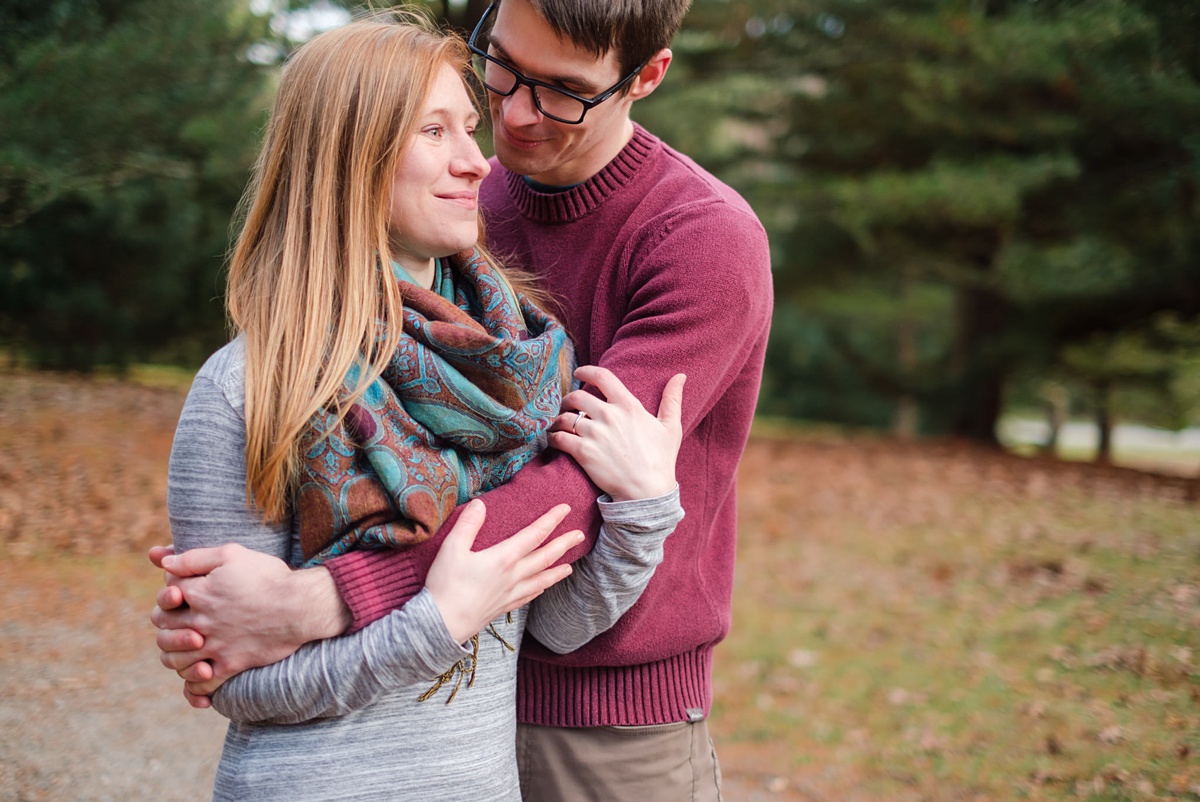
519, 108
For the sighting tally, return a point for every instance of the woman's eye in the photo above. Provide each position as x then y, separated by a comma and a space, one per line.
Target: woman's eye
435, 130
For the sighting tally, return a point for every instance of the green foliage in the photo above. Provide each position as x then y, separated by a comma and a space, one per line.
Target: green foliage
960, 194
126, 132
1088, 267
1037, 163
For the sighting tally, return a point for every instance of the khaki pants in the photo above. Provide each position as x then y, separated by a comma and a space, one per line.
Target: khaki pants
658, 763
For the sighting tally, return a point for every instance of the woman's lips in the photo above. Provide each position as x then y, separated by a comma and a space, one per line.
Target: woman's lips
468, 200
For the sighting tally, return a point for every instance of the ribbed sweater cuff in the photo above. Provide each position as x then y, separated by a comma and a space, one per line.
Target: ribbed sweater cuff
553, 695
369, 592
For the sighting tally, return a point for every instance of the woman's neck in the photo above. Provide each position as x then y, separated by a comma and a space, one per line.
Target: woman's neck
422, 274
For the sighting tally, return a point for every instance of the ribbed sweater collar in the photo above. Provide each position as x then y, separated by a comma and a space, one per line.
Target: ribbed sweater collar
583, 199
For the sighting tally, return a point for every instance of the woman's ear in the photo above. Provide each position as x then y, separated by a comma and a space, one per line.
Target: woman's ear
651, 75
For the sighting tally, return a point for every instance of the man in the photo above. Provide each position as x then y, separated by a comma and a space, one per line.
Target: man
660, 269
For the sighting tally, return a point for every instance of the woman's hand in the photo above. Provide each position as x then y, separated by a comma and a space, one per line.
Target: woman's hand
629, 453
471, 588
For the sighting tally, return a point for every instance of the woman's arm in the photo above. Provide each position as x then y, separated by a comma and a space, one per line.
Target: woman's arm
465, 591
630, 454
412, 645
207, 506
611, 578
206, 501
334, 677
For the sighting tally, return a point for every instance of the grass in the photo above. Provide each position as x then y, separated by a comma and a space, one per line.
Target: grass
932, 628
152, 375
168, 377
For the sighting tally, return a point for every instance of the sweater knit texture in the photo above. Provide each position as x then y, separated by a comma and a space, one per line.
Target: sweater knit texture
341, 718
658, 269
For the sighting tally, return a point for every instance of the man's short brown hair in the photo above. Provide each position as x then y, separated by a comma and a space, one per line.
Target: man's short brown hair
635, 29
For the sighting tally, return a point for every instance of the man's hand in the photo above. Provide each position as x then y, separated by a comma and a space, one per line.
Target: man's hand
227, 609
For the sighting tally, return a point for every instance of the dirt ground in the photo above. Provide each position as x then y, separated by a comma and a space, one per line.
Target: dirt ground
86, 711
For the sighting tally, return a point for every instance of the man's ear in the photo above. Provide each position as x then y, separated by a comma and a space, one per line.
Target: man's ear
651, 75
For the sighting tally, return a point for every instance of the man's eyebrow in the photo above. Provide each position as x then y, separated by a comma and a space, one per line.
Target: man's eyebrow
585, 86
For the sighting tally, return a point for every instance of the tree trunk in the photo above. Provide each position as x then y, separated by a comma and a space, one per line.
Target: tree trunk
906, 420
981, 318
465, 19
1057, 406
1104, 422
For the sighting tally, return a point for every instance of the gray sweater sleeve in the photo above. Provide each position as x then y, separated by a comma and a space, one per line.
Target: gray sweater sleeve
206, 497
334, 677
207, 506
607, 582
206, 479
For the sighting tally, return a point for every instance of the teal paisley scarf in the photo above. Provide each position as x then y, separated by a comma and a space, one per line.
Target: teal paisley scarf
473, 385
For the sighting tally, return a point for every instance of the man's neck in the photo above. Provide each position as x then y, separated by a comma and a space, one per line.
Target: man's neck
547, 188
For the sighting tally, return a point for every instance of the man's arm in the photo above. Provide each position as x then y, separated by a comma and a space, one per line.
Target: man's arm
412, 645
217, 578
465, 591
702, 318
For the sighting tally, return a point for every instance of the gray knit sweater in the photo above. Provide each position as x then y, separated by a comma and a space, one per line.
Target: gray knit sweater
340, 719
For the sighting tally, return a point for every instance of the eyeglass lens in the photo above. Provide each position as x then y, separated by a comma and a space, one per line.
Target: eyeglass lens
503, 81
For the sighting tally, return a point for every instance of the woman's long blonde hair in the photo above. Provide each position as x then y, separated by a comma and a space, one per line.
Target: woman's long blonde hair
305, 286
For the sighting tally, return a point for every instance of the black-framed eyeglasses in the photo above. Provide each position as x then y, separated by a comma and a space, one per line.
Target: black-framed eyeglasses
555, 103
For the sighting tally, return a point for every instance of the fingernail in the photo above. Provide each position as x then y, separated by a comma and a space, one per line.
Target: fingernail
168, 561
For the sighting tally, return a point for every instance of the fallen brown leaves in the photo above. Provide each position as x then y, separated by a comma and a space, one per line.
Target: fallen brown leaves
913, 621
936, 620
84, 467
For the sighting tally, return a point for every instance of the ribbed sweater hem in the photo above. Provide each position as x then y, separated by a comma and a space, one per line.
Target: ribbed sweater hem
553, 695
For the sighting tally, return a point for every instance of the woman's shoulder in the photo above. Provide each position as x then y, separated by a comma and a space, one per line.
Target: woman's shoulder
225, 372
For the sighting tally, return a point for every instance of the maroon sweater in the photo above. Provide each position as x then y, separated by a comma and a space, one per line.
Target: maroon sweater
659, 269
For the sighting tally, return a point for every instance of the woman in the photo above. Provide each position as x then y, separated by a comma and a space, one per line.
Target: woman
380, 375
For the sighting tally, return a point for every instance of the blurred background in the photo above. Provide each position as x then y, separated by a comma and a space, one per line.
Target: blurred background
971, 548
979, 210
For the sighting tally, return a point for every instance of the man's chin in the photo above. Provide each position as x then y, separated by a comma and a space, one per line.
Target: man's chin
520, 161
